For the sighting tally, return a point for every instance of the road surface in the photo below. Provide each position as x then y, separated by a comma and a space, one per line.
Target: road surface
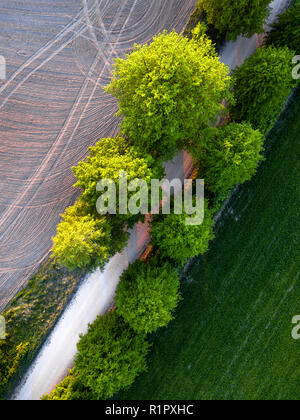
96, 293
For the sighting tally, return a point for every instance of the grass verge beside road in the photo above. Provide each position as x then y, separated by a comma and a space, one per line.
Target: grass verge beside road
30, 318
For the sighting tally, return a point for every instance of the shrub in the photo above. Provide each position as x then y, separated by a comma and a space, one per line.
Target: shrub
110, 356
228, 156
82, 241
178, 240
286, 31
261, 87
64, 391
234, 17
148, 295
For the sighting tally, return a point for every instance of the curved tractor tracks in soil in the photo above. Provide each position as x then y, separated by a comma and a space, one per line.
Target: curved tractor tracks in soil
52, 108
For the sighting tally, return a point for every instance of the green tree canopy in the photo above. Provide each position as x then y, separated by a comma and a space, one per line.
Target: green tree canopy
228, 155
286, 31
178, 240
110, 356
148, 295
86, 239
234, 17
261, 87
168, 91
82, 241
107, 159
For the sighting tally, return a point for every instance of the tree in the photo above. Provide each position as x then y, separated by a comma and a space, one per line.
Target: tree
107, 159
228, 155
286, 31
148, 295
178, 240
168, 91
86, 238
82, 241
261, 87
234, 17
110, 356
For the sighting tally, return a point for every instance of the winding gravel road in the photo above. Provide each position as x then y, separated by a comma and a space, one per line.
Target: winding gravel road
52, 108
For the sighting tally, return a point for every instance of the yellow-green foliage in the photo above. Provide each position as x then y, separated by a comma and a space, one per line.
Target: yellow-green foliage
168, 91
85, 239
106, 160
64, 390
82, 241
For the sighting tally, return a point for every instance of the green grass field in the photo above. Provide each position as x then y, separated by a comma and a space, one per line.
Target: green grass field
231, 338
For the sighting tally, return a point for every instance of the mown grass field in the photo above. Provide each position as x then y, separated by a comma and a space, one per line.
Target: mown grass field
231, 338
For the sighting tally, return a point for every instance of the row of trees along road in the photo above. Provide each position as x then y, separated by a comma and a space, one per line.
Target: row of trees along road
170, 95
